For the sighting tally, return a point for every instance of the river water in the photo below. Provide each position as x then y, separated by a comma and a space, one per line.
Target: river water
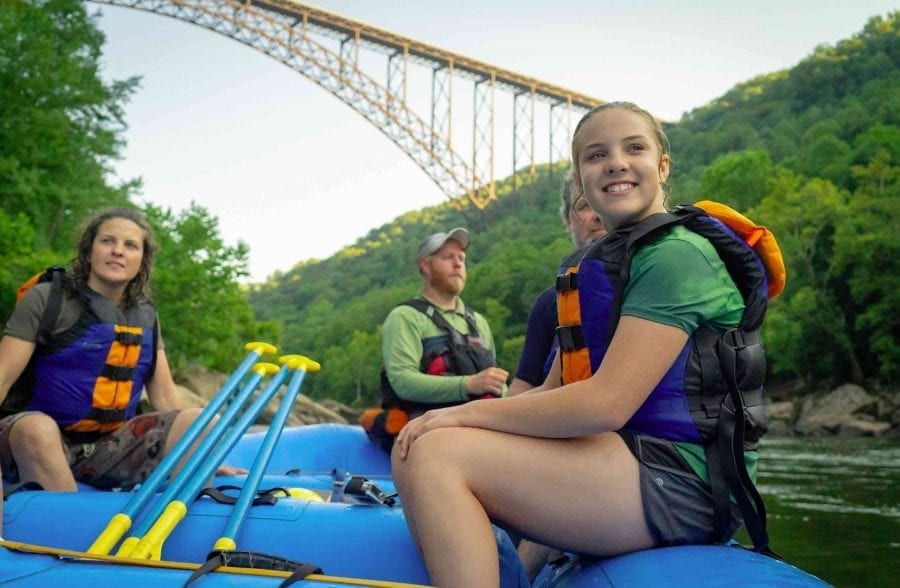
834, 506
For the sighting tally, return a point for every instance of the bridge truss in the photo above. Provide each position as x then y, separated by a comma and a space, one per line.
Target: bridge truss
344, 57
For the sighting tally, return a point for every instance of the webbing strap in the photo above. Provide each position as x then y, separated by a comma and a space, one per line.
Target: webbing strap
717, 483
254, 560
299, 574
731, 451
54, 304
117, 373
11, 489
129, 337
268, 496
431, 312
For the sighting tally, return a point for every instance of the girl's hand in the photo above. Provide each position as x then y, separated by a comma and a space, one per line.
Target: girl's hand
433, 419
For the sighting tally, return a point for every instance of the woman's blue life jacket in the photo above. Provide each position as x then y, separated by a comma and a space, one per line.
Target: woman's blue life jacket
90, 377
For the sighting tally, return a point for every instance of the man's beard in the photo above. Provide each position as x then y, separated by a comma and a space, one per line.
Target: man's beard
448, 284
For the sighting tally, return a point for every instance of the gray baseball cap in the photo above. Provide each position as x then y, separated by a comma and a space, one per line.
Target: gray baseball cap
434, 242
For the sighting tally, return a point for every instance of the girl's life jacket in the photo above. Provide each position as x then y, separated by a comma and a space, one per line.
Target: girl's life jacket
713, 393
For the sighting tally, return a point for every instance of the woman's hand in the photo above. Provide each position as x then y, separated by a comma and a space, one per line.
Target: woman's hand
433, 419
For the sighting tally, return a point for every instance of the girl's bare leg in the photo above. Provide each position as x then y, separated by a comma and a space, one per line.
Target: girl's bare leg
576, 494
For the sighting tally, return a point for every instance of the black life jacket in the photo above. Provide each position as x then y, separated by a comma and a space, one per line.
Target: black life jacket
450, 354
718, 377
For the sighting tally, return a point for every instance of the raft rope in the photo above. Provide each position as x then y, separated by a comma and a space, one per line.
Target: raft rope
175, 565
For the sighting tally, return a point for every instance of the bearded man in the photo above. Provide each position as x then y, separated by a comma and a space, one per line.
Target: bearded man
436, 351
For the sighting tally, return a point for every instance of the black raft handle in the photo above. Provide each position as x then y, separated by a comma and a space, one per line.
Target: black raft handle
255, 560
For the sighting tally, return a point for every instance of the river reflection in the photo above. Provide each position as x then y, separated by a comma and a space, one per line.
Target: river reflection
834, 506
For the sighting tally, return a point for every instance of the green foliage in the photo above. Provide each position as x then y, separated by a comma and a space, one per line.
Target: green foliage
839, 315
737, 179
20, 261
59, 122
204, 313
805, 117
352, 365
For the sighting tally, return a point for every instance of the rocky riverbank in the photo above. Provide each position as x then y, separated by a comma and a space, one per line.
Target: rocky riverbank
197, 385
847, 410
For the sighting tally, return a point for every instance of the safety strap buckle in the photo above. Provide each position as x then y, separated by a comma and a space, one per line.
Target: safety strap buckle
117, 373
567, 282
571, 337
366, 492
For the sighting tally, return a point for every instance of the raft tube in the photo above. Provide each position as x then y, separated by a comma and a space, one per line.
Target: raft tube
686, 566
342, 539
355, 540
319, 447
25, 566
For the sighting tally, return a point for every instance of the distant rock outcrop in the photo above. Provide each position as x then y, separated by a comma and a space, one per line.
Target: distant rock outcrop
198, 385
847, 410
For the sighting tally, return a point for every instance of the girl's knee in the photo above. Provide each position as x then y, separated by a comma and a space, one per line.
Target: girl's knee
437, 450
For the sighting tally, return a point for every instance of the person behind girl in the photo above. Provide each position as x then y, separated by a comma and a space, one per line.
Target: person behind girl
77, 422
559, 463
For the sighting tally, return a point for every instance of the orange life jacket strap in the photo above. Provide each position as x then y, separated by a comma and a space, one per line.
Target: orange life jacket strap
576, 363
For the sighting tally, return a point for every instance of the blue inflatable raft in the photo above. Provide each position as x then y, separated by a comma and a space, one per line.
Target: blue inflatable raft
355, 540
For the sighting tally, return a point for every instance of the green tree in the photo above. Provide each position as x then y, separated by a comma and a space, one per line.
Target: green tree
819, 343
867, 256
60, 123
739, 180
204, 313
20, 260
354, 370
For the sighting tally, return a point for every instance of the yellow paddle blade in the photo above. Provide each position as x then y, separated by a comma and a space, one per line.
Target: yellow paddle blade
300, 362
261, 348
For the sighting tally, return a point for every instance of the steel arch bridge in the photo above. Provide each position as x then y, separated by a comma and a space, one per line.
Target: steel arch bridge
344, 57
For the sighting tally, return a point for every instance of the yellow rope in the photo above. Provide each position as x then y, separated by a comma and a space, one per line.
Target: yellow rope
177, 565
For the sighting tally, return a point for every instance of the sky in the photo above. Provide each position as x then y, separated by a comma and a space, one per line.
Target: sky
296, 174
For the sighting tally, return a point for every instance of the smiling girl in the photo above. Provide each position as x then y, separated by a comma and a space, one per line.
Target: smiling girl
611, 433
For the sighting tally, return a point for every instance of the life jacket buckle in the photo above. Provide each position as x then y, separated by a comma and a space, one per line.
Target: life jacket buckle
571, 337
567, 282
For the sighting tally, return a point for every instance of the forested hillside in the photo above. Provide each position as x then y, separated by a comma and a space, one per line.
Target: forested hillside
813, 152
